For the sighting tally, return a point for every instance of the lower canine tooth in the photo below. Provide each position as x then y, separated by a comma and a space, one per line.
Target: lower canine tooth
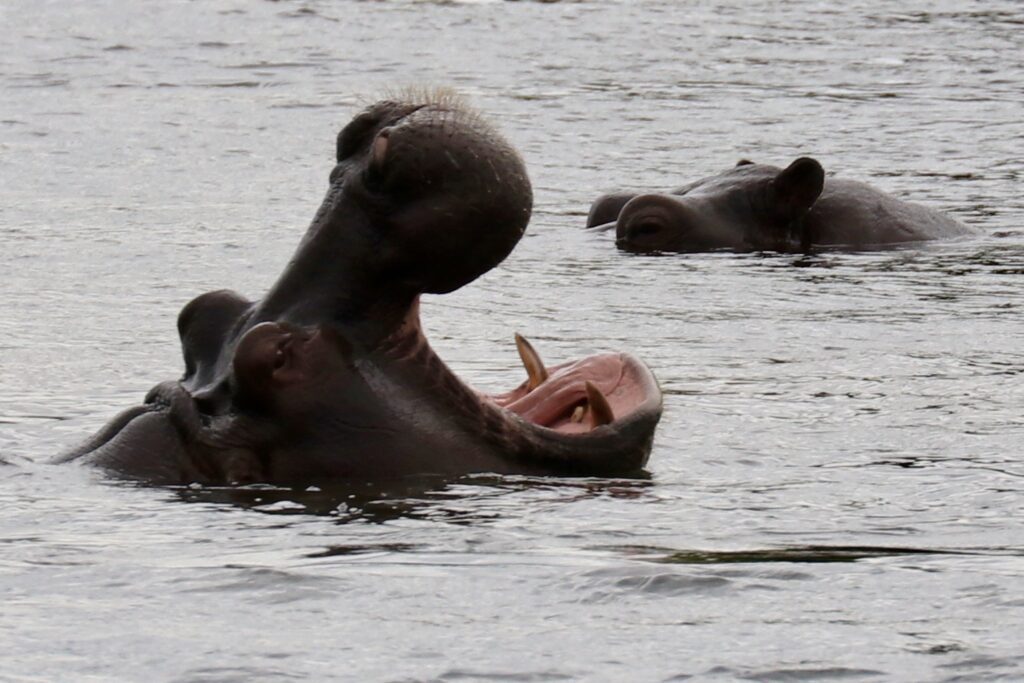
535, 370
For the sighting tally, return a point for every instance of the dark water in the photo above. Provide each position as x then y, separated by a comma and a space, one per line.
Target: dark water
837, 487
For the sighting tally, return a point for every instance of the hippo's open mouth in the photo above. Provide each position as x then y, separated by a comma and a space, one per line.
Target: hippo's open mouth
571, 398
579, 396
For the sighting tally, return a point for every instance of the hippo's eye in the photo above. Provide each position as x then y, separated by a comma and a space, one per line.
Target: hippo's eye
646, 228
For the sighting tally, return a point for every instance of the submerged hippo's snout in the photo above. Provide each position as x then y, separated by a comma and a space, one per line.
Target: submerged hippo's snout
651, 222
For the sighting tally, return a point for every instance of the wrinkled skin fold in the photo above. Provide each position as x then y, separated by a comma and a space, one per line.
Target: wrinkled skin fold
329, 377
757, 207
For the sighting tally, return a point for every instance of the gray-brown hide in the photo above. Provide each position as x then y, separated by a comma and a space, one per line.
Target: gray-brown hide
756, 207
329, 375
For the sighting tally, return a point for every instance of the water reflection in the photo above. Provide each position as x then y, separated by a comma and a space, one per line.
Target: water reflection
805, 554
462, 501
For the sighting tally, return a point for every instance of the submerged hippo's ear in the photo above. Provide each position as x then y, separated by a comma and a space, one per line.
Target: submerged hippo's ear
797, 187
744, 162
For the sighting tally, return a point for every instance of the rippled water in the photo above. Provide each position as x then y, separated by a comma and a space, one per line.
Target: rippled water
837, 486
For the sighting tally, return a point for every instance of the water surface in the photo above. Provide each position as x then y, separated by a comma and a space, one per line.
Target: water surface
836, 486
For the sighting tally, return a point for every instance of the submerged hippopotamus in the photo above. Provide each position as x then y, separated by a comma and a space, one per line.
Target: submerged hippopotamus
330, 377
756, 207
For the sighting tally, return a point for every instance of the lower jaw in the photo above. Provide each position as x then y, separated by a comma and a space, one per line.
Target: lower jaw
573, 398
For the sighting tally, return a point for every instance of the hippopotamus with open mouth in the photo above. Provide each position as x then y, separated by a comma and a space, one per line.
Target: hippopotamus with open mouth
756, 207
329, 376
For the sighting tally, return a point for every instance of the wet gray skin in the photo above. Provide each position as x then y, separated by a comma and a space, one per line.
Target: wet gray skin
756, 207
330, 377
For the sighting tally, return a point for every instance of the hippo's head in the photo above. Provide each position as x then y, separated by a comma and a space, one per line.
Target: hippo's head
329, 376
424, 197
750, 207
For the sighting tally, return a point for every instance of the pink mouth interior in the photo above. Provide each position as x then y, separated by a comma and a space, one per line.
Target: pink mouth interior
552, 403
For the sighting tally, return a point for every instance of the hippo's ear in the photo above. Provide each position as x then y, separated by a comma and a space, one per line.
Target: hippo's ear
606, 209
798, 187
204, 325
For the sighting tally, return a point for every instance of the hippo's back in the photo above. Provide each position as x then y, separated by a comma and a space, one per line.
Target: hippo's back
854, 214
